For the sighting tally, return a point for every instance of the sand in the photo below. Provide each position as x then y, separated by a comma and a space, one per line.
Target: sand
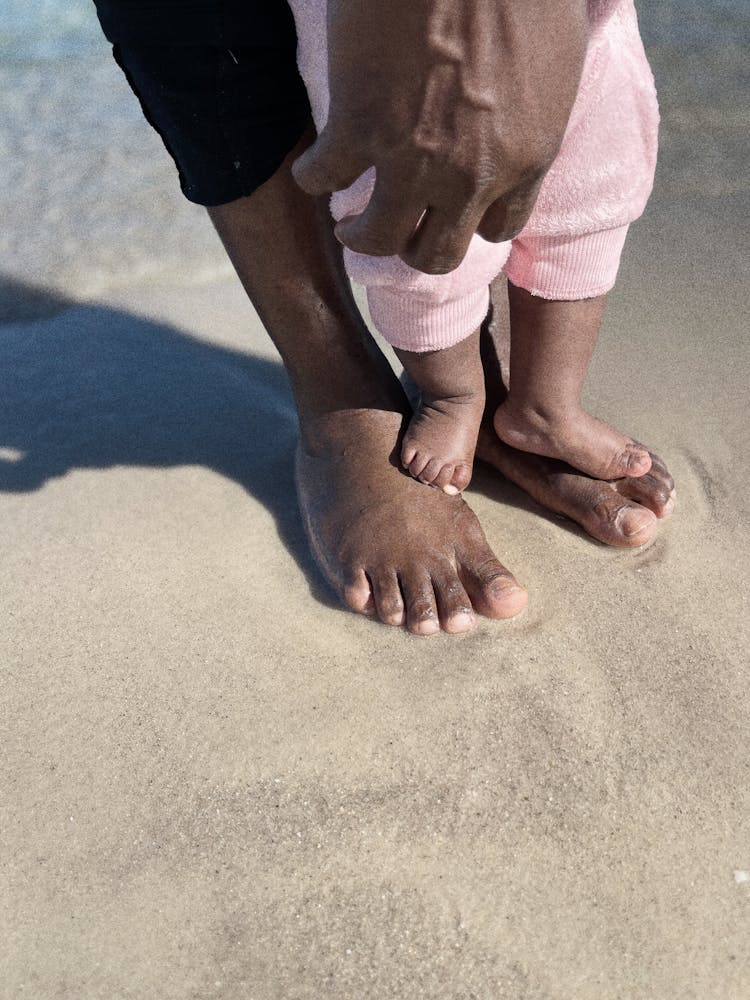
219, 784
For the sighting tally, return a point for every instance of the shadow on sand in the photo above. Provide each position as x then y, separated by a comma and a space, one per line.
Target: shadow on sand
100, 388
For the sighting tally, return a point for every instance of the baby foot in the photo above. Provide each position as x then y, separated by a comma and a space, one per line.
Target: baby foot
578, 438
440, 441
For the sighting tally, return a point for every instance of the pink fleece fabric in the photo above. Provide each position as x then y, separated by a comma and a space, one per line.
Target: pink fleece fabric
570, 248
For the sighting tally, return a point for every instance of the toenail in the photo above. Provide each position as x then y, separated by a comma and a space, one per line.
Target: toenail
632, 523
451, 490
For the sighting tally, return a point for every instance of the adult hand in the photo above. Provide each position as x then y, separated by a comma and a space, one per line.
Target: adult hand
461, 105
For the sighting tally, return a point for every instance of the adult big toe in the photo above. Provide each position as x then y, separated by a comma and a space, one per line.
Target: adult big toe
603, 512
493, 590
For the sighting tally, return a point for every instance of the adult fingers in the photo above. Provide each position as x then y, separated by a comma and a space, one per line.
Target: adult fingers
441, 241
324, 168
389, 220
506, 217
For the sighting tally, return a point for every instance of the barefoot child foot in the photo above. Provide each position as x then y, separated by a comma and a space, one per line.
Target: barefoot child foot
439, 444
551, 346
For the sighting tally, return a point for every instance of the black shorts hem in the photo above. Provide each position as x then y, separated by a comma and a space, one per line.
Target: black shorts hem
227, 117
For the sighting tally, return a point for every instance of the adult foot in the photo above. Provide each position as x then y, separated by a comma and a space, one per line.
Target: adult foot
623, 513
441, 439
578, 438
388, 546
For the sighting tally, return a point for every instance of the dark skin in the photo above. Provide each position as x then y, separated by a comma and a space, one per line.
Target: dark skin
461, 108
465, 106
551, 347
550, 351
440, 441
387, 545
391, 548
623, 513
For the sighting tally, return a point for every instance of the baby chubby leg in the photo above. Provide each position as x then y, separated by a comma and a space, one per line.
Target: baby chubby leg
551, 346
439, 444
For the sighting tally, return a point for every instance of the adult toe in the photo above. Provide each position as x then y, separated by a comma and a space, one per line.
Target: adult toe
655, 490
421, 607
493, 590
454, 606
611, 517
387, 596
636, 461
357, 593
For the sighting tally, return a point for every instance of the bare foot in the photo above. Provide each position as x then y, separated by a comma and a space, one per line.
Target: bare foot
623, 513
391, 548
440, 441
578, 438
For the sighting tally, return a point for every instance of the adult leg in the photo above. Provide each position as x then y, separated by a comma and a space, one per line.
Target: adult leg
388, 545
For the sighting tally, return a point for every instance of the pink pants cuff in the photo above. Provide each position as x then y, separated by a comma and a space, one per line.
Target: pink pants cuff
554, 267
567, 267
411, 323
570, 248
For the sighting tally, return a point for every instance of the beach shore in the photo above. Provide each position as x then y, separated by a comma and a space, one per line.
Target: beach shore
217, 783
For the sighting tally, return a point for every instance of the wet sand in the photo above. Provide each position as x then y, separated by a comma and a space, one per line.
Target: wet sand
218, 784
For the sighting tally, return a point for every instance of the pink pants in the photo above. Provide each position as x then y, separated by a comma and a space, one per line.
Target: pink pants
570, 247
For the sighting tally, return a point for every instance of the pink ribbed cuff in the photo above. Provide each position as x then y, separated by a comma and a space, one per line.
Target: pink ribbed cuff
415, 324
567, 267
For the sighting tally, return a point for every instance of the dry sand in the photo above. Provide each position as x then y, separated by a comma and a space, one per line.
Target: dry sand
218, 784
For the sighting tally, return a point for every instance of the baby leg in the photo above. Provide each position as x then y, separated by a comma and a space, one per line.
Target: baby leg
439, 444
567, 256
432, 323
551, 347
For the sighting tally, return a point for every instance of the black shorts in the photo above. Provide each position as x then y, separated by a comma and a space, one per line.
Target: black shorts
228, 109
